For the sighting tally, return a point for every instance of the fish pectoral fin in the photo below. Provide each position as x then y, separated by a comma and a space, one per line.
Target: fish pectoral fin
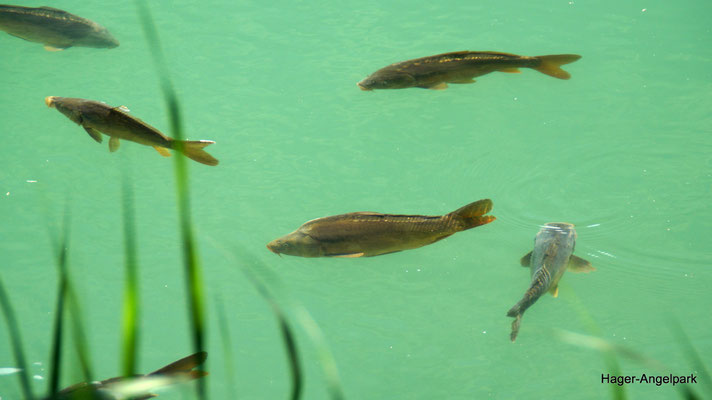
350, 255
162, 151
511, 70
554, 291
578, 265
52, 48
114, 144
439, 86
96, 135
463, 81
526, 260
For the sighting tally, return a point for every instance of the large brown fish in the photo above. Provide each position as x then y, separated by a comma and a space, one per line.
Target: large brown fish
136, 387
366, 234
56, 29
552, 255
435, 72
97, 118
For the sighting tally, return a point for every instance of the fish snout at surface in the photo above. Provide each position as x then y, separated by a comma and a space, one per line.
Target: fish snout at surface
50, 101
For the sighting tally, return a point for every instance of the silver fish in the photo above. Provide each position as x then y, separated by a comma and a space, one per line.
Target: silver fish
552, 255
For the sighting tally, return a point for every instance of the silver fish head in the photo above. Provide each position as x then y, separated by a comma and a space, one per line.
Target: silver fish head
295, 244
387, 80
65, 105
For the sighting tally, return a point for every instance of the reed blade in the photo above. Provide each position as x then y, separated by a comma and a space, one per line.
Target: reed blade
130, 333
192, 267
16, 342
227, 349
62, 249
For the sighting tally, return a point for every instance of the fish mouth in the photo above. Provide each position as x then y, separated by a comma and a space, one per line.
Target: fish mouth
49, 100
362, 87
270, 247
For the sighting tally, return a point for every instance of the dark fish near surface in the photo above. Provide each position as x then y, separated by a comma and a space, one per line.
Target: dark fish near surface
435, 72
552, 254
97, 118
136, 387
56, 29
366, 234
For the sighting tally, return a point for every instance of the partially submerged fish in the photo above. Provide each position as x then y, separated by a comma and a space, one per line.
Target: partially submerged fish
435, 72
56, 29
136, 387
552, 255
97, 118
366, 234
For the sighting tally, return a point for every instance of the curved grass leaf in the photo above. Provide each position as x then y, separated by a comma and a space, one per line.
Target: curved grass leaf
129, 337
61, 248
227, 349
262, 278
191, 263
16, 343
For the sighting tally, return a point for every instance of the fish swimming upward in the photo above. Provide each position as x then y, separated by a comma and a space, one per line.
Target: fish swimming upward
435, 72
552, 255
136, 387
54, 28
366, 234
97, 118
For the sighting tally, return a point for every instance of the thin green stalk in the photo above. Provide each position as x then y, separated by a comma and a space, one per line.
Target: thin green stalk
262, 277
16, 340
193, 274
129, 337
56, 359
227, 349
79, 335
287, 334
697, 363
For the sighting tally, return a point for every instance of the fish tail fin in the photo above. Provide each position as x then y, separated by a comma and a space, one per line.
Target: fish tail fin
193, 149
515, 327
473, 214
550, 65
184, 367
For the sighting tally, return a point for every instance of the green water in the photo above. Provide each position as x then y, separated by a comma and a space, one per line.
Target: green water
622, 150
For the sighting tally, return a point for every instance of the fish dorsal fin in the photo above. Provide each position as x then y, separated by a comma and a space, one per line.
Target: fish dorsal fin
350, 255
162, 151
554, 290
526, 260
114, 144
578, 265
96, 135
51, 8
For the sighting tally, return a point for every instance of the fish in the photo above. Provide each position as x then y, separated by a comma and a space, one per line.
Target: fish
551, 257
136, 387
368, 234
435, 72
56, 29
98, 117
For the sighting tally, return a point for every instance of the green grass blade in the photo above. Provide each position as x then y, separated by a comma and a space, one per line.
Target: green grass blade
691, 353
227, 349
129, 337
193, 274
262, 277
79, 335
56, 359
287, 334
16, 341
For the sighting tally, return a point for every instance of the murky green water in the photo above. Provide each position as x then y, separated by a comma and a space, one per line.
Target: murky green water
622, 150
